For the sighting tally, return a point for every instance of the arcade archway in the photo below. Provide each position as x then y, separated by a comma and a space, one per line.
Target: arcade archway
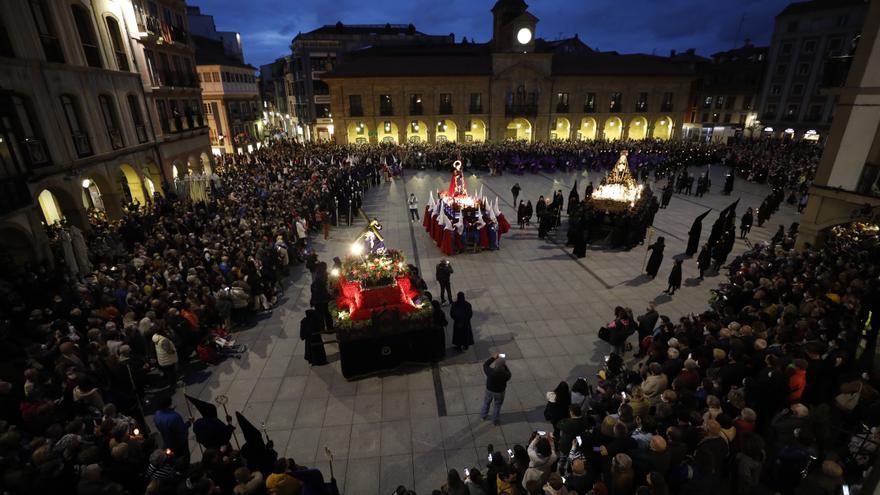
132, 189
519, 129
447, 131
587, 130
358, 133
561, 129
613, 129
638, 128
663, 128
51, 207
417, 132
476, 131
387, 132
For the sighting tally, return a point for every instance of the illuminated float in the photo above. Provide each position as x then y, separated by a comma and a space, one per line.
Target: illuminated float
457, 221
618, 191
380, 318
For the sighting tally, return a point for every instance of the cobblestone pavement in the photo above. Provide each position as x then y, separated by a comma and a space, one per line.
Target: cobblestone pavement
531, 300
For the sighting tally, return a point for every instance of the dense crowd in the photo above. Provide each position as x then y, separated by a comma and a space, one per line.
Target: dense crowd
768, 392
90, 343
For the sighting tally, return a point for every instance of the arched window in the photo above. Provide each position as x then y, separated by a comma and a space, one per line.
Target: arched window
46, 30
21, 145
116, 41
108, 112
87, 37
75, 126
135, 108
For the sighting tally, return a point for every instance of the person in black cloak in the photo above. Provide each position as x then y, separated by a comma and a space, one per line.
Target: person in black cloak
521, 215
258, 454
667, 195
574, 199
674, 278
745, 225
461, 313
540, 206
310, 332
704, 259
728, 182
694, 234
778, 236
580, 235
438, 318
588, 191
321, 296
656, 256
210, 431
529, 211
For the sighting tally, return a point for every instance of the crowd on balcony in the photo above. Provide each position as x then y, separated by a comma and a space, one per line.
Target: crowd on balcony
770, 391
87, 348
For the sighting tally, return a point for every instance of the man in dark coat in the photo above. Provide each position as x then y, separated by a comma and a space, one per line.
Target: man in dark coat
694, 234
728, 182
656, 256
443, 274
321, 296
438, 319
574, 199
704, 259
461, 313
667, 195
647, 323
310, 332
209, 430
745, 225
515, 191
674, 278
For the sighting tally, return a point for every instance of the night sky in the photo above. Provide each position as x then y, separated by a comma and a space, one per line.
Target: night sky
627, 26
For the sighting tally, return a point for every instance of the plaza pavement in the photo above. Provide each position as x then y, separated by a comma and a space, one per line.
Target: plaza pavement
531, 300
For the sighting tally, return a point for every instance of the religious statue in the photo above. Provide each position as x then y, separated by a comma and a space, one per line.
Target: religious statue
620, 173
458, 188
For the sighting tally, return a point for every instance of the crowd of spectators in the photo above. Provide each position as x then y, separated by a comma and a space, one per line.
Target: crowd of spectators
770, 391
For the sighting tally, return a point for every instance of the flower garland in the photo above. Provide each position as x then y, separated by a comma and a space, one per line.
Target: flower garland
375, 270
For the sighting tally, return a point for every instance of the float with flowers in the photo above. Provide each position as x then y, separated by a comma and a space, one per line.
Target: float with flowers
381, 318
459, 222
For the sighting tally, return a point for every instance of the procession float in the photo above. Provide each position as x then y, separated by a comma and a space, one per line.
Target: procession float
381, 317
459, 222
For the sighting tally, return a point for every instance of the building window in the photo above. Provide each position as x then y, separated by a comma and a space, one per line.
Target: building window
791, 112
22, 143
707, 102
797, 89
445, 104
780, 69
776, 89
815, 113
46, 30
175, 116
355, 107
75, 126
726, 118
322, 111
215, 76
792, 26
704, 117
747, 102
561, 102
590, 103
771, 111
809, 46
786, 49
719, 102
715, 118
135, 108
729, 102
834, 44
642, 102
803, 69
111, 123
616, 102
162, 110
666, 106
415, 104
87, 37
386, 105
116, 42
476, 103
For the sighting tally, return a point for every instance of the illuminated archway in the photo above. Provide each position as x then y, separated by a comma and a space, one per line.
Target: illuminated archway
476, 131
519, 129
387, 132
447, 131
417, 132
561, 129
50, 206
638, 128
132, 188
663, 128
358, 133
613, 129
587, 129
152, 179
91, 194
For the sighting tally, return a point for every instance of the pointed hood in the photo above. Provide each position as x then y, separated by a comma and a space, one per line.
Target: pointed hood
206, 409
251, 434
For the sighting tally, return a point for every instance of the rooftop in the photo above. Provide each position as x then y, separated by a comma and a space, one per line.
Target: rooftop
819, 5
211, 52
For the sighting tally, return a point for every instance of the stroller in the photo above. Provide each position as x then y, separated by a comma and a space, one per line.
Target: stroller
219, 344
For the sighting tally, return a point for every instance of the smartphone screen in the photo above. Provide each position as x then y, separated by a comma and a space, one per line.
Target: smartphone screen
467, 472
510, 452
503, 356
542, 433
490, 457
597, 449
580, 442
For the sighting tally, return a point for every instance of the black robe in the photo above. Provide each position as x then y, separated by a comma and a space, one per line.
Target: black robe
655, 259
694, 235
462, 333
310, 332
704, 259
675, 276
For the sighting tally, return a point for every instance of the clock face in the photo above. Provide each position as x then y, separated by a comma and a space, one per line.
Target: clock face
524, 35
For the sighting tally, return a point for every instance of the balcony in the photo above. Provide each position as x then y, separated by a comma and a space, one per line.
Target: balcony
82, 144
416, 109
523, 110
475, 109
179, 35
36, 151
445, 109
116, 140
153, 25
141, 131
386, 110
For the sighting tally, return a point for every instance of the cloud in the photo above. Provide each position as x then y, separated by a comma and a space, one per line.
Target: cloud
268, 26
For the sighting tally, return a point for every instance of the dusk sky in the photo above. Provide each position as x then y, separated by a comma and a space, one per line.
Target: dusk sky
628, 26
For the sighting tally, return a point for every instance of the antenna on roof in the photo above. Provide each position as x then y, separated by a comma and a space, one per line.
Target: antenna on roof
738, 29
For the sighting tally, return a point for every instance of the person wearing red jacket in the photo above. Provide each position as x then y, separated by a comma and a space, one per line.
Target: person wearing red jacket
797, 380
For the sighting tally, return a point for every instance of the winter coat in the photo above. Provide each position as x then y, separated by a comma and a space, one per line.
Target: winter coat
166, 353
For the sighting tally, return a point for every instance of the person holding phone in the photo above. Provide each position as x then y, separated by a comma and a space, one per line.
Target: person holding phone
570, 429
497, 376
542, 455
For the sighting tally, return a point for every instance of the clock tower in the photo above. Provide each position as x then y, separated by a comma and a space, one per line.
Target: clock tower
513, 28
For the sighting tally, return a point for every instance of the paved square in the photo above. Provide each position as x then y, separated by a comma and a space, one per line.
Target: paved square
531, 301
